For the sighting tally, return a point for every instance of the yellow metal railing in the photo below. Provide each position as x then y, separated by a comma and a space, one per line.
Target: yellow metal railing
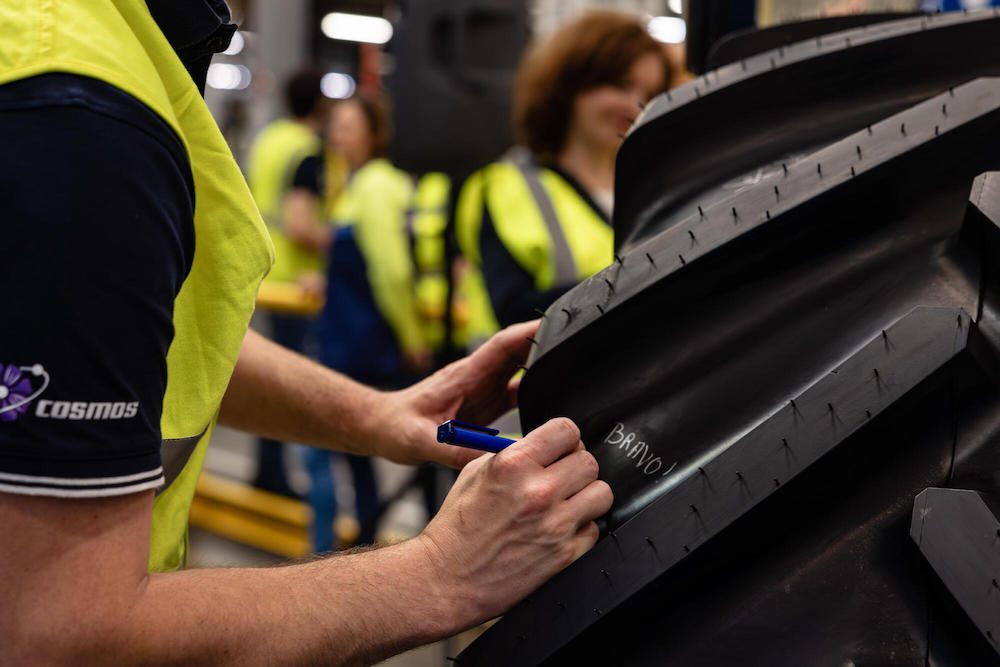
241, 513
288, 298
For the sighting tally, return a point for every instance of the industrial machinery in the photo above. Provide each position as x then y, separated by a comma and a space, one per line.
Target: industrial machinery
454, 81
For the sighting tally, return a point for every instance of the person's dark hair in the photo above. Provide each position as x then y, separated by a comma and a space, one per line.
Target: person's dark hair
376, 112
594, 50
302, 91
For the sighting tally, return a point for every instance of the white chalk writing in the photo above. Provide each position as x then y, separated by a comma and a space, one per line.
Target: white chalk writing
637, 450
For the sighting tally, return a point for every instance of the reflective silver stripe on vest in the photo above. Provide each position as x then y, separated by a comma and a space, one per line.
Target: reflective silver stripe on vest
174, 453
566, 273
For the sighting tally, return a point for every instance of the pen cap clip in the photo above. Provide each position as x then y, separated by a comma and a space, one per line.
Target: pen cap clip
446, 431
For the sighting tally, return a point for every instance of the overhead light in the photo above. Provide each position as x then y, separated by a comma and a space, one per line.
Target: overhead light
337, 85
668, 29
356, 28
224, 76
676, 6
236, 44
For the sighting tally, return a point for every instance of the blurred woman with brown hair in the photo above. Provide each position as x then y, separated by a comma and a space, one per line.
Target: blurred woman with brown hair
539, 221
369, 328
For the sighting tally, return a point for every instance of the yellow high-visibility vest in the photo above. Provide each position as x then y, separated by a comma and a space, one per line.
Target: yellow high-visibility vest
274, 156
428, 222
118, 42
428, 217
546, 226
373, 206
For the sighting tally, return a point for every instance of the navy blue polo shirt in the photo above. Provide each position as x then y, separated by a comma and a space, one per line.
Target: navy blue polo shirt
97, 227
97, 221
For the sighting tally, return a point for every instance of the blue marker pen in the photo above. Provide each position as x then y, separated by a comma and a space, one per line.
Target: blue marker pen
454, 432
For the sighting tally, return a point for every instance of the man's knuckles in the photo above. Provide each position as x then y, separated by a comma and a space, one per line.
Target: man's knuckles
601, 497
512, 462
563, 429
537, 498
541, 495
586, 464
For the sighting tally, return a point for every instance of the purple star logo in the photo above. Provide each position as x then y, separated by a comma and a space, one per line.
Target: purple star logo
16, 392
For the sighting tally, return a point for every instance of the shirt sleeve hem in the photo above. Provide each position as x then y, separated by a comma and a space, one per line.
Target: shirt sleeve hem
98, 487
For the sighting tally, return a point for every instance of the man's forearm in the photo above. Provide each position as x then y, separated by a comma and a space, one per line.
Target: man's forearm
277, 393
280, 394
347, 609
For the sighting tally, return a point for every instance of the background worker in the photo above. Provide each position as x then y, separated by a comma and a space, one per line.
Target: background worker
539, 222
369, 329
298, 230
93, 509
427, 225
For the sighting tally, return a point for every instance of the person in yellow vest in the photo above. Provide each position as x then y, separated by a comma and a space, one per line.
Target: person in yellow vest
539, 221
369, 328
470, 325
298, 231
300, 236
133, 251
427, 222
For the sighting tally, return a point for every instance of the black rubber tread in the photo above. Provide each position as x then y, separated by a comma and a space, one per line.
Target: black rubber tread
855, 170
743, 44
959, 534
783, 103
984, 228
726, 486
784, 301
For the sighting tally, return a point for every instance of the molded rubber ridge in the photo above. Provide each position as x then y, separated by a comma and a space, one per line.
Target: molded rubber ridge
960, 537
742, 44
700, 142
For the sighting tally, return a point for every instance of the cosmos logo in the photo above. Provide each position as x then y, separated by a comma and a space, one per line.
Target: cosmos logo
21, 385
83, 411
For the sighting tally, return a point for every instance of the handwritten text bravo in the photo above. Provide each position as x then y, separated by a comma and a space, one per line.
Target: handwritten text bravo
638, 451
